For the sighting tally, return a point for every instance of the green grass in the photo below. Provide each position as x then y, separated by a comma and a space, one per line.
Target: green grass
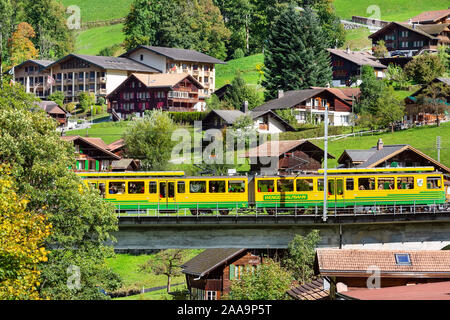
93, 40
357, 39
390, 10
95, 10
421, 138
109, 131
247, 66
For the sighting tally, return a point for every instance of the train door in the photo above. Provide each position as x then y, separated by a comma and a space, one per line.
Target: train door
336, 190
167, 197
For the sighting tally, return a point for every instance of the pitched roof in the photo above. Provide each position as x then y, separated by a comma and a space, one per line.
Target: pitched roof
277, 148
313, 290
51, 107
352, 262
413, 28
360, 58
289, 99
178, 54
229, 116
433, 29
113, 63
97, 143
121, 164
116, 145
208, 260
431, 16
164, 80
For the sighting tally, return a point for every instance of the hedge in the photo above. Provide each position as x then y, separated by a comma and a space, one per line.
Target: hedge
187, 117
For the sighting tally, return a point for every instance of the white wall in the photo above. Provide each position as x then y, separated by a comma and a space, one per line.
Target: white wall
274, 126
114, 78
151, 59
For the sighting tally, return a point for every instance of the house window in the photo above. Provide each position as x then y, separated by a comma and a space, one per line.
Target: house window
418, 44
403, 259
404, 33
389, 37
142, 57
404, 44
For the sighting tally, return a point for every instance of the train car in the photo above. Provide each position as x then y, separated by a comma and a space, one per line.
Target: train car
170, 191
352, 188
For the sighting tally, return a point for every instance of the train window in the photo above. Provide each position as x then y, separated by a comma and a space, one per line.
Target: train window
162, 189
217, 186
197, 187
181, 187
320, 185
405, 183
171, 190
305, 185
350, 184
331, 187
433, 183
386, 184
366, 183
152, 187
285, 185
116, 187
266, 186
102, 188
136, 187
236, 186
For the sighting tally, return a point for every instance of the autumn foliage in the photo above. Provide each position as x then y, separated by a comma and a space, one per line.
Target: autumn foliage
22, 236
21, 48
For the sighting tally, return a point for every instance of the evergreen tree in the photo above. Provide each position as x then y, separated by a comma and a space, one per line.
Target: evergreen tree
371, 90
241, 92
296, 56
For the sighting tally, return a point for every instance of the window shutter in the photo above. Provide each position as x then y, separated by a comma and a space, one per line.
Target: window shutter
97, 166
86, 165
232, 267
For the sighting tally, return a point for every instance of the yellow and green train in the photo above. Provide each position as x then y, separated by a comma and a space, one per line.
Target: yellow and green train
347, 188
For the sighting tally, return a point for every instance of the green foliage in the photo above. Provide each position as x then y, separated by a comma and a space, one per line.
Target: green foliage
82, 221
301, 255
240, 92
70, 107
268, 281
296, 56
395, 76
288, 116
390, 109
86, 100
110, 51
371, 90
186, 117
238, 53
444, 56
144, 136
424, 68
380, 50
433, 99
58, 97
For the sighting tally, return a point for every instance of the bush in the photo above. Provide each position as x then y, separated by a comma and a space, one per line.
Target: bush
187, 117
238, 53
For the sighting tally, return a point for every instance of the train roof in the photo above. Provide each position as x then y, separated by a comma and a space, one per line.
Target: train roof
378, 170
131, 174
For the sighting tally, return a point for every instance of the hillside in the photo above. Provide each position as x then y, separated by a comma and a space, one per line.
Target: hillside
93, 40
98, 10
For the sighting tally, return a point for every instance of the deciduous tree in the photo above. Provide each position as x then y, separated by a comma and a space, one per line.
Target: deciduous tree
433, 99
424, 68
21, 48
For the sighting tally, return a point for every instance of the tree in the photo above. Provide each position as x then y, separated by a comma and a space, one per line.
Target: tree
21, 48
444, 56
390, 109
167, 262
22, 236
296, 56
146, 135
58, 97
395, 76
268, 281
301, 255
86, 100
371, 90
424, 68
380, 50
434, 99
240, 92
329, 21
81, 221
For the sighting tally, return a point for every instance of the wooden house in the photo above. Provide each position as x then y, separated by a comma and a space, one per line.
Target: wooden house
54, 111
141, 92
32, 76
432, 17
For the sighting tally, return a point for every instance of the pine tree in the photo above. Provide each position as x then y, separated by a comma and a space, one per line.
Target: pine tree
296, 56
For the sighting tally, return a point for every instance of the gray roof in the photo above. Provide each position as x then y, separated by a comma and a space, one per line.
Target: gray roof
289, 100
41, 63
179, 54
358, 57
208, 260
360, 155
121, 164
113, 63
230, 116
377, 155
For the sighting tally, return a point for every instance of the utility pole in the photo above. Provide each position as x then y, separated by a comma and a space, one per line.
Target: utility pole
325, 162
438, 147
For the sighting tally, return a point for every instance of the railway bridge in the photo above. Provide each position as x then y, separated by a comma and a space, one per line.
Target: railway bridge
408, 230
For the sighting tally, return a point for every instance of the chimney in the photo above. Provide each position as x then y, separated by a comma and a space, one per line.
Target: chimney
380, 145
348, 49
245, 107
280, 94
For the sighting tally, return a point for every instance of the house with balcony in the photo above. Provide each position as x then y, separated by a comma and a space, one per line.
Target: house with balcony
169, 92
308, 105
176, 60
54, 111
76, 73
31, 75
432, 17
411, 38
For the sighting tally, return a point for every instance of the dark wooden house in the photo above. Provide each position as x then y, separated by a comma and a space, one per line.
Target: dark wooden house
432, 17
209, 275
54, 111
169, 92
285, 157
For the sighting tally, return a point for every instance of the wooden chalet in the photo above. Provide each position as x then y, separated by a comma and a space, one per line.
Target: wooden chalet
54, 111
308, 105
347, 64
412, 38
285, 157
385, 156
416, 113
348, 270
432, 17
209, 275
141, 92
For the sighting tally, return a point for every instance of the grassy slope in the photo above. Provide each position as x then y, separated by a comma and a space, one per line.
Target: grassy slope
423, 139
390, 10
247, 66
93, 40
357, 39
96, 10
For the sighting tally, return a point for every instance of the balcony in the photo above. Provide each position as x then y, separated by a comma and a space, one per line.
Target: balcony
102, 80
102, 91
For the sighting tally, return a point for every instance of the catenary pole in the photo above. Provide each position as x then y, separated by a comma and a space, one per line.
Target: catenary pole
325, 166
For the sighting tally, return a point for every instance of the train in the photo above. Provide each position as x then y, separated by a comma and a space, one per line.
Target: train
347, 190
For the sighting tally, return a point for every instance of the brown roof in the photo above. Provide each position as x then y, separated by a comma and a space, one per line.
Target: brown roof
425, 291
313, 290
276, 148
356, 262
164, 79
360, 58
51, 107
116, 145
431, 16
414, 28
97, 143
